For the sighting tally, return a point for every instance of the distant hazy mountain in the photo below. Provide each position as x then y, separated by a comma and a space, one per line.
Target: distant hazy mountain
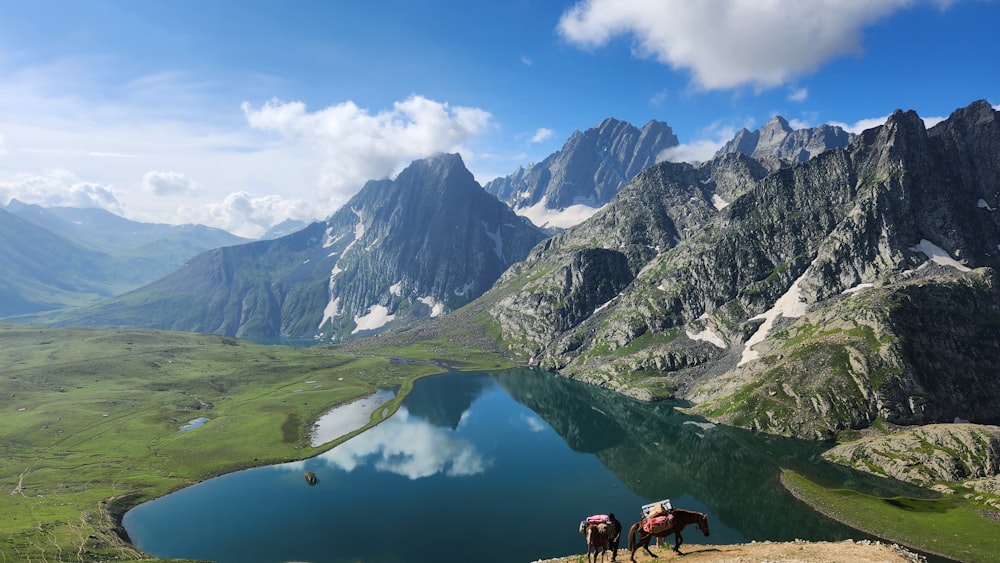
777, 139
569, 185
284, 228
422, 244
108, 232
41, 270
64, 257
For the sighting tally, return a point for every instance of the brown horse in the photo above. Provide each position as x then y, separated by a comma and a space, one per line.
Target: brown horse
598, 538
681, 519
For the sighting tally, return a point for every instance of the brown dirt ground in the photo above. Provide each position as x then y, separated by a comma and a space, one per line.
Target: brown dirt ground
797, 551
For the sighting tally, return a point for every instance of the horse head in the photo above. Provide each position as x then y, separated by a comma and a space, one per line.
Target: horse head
703, 524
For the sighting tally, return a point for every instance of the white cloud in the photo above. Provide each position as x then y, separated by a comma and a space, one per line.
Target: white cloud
59, 188
860, 125
3, 147
167, 183
693, 152
798, 94
543, 134
932, 121
700, 150
356, 146
409, 446
658, 98
730, 43
245, 215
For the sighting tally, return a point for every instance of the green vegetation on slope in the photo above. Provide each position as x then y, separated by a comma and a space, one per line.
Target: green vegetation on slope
953, 526
90, 421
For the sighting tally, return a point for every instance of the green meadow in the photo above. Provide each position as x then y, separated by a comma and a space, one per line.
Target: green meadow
90, 421
952, 526
90, 425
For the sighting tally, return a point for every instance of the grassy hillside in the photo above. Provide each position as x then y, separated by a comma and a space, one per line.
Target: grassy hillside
90, 422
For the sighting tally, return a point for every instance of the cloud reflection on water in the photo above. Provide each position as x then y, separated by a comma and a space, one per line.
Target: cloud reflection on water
410, 447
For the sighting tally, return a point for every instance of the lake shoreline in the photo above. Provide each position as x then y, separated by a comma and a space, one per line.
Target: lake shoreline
798, 494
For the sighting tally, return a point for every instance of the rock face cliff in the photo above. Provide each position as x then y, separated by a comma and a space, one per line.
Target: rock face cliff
954, 453
777, 139
588, 171
859, 284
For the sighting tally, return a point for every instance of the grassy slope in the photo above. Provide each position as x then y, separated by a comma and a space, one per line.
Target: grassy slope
951, 526
88, 415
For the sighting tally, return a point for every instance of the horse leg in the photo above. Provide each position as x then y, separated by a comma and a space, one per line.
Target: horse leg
645, 544
678, 540
632, 543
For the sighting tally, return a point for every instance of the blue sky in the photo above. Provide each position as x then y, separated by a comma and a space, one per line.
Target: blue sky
242, 114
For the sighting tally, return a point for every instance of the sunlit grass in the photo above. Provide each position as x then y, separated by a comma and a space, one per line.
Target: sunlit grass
88, 415
950, 526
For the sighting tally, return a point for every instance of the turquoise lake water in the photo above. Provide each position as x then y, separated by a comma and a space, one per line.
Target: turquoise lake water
495, 467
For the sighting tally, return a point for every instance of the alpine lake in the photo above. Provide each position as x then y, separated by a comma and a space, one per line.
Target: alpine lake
498, 467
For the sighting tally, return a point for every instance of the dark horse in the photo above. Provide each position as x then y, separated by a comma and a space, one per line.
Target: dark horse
681, 518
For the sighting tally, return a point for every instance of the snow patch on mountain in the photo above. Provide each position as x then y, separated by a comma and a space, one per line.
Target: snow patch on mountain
791, 305
707, 336
544, 217
857, 288
718, 202
396, 289
497, 240
332, 310
377, 317
359, 230
437, 308
938, 255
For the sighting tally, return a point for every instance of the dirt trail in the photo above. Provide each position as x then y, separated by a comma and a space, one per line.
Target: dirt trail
798, 551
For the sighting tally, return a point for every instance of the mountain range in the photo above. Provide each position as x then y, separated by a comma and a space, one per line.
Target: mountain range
798, 283
417, 246
777, 139
856, 286
60, 257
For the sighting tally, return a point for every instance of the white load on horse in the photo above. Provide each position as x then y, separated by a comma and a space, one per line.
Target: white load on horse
657, 516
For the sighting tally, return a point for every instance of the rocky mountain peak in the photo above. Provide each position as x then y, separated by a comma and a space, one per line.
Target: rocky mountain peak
586, 173
777, 139
441, 171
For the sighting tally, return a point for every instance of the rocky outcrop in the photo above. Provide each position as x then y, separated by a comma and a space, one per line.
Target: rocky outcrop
777, 139
967, 454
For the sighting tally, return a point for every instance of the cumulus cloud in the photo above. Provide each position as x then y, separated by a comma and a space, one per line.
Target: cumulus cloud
730, 43
409, 446
167, 184
798, 94
356, 145
242, 214
543, 134
60, 188
700, 150
861, 124
693, 152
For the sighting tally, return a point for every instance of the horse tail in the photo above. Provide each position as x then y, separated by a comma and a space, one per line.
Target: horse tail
631, 536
